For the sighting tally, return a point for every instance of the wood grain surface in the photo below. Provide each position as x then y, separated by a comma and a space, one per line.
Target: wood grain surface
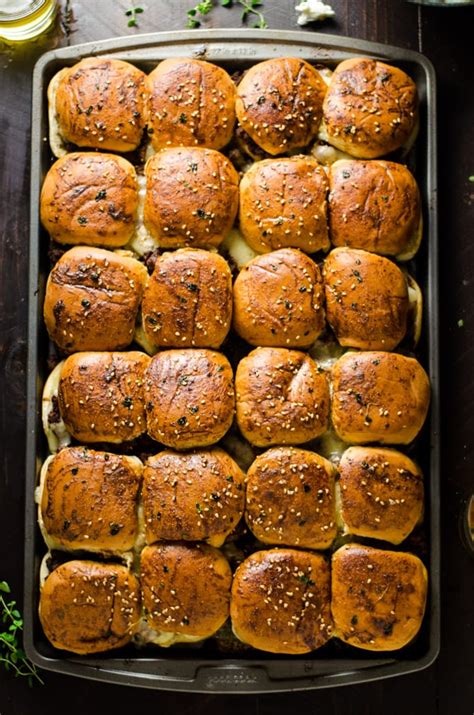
445, 36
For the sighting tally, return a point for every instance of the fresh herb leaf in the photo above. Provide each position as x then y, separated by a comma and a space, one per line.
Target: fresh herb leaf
249, 8
12, 654
132, 13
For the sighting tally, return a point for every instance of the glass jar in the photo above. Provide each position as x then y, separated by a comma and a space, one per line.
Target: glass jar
24, 19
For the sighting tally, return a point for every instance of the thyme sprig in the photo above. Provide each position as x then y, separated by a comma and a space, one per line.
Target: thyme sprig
12, 655
249, 8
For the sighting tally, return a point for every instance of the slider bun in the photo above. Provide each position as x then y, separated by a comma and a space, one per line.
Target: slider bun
378, 597
282, 397
290, 498
370, 108
283, 202
186, 588
101, 396
379, 397
92, 299
189, 398
366, 299
279, 104
191, 197
381, 493
278, 300
281, 601
188, 300
375, 205
191, 103
196, 496
89, 500
100, 103
87, 607
90, 199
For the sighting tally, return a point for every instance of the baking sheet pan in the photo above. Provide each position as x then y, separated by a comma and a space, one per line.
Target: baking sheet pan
202, 669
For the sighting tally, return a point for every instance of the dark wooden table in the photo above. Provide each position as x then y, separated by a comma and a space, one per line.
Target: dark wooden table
445, 36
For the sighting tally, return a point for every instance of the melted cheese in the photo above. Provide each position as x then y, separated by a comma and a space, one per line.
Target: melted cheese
237, 248
147, 635
56, 141
142, 241
56, 432
142, 340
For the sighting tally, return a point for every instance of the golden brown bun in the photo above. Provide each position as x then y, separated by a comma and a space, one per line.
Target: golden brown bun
90, 199
374, 205
100, 103
378, 597
366, 299
101, 396
89, 500
282, 397
188, 300
279, 103
186, 588
370, 108
278, 300
196, 496
281, 601
290, 498
191, 103
92, 299
89, 607
283, 202
189, 398
379, 397
191, 197
381, 493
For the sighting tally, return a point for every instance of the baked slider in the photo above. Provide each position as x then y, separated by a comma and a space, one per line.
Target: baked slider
186, 590
381, 493
282, 397
290, 498
97, 103
378, 597
378, 397
88, 607
90, 199
278, 300
189, 397
283, 202
188, 300
191, 103
101, 396
88, 500
192, 496
370, 108
281, 601
366, 299
375, 205
191, 198
92, 299
279, 104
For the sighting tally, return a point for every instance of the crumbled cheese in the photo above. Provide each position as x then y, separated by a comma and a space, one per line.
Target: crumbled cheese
312, 11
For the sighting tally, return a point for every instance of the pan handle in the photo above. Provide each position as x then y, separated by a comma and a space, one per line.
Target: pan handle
232, 678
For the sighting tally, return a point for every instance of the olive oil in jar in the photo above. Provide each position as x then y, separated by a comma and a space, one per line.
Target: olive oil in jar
24, 19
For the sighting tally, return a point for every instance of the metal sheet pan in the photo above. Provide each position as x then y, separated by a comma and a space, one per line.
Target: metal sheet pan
201, 670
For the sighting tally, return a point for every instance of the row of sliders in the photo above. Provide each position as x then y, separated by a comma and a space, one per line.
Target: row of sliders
365, 107
279, 299
114, 504
186, 398
279, 600
190, 197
